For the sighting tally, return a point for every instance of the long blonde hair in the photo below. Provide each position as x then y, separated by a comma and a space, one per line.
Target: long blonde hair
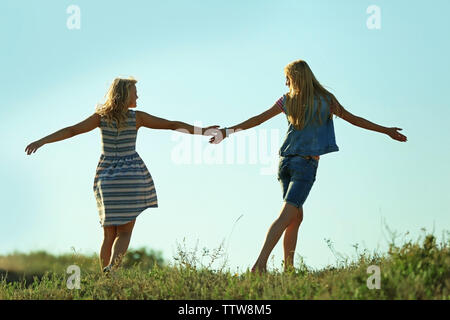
116, 106
303, 89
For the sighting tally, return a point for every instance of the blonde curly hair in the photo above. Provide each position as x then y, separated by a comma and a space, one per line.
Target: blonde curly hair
117, 101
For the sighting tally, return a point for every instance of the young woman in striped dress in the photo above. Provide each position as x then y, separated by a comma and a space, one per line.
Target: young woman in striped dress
123, 186
309, 108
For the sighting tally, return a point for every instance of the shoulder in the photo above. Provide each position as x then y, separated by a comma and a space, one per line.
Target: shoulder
97, 115
336, 108
135, 114
326, 101
139, 116
96, 118
281, 102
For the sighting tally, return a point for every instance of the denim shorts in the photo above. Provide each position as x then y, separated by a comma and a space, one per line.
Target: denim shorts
296, 175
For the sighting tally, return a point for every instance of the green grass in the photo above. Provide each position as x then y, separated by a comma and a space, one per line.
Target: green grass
414, 270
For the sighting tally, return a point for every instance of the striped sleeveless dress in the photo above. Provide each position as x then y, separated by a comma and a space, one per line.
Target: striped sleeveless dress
123, 186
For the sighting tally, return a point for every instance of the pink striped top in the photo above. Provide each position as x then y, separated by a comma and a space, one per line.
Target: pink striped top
279, 103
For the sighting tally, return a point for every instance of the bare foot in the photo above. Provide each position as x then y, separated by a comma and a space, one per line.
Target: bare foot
107, 270
289, 269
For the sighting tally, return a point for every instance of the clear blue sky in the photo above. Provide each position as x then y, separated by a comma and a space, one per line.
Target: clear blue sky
221, 62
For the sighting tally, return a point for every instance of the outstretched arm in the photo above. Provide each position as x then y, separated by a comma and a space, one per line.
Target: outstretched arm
337, 109
144, 119
250, 123
84, 126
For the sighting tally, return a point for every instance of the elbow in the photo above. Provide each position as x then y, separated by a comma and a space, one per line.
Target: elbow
177, 126
352, 119
172, 125
357, 121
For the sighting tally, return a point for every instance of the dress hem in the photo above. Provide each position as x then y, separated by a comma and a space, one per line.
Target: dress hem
125, 222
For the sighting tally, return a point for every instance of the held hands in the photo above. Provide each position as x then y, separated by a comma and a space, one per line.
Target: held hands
219, 135
211, 130
32, 147
392, 132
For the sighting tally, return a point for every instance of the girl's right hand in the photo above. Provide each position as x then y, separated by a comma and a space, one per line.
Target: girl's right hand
219, 137
211, 130
394, 134
32, 147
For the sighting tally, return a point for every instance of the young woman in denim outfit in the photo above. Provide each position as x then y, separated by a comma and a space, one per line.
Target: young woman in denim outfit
309, 109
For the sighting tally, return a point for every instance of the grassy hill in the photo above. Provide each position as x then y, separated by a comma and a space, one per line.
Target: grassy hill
414, 270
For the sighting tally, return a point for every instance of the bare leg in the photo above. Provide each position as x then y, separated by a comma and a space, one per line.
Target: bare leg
108, 240
287, 215
121, 243
290, 240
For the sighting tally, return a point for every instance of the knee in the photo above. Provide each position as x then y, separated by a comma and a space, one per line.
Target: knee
291, 215
295, 223
109, 236
125, 229
109, 239
124, 234
299, 216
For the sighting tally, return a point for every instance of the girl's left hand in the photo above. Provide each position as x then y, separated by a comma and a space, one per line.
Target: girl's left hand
394, 134
32, 147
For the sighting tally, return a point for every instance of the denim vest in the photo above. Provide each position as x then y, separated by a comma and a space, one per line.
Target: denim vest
314, 139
